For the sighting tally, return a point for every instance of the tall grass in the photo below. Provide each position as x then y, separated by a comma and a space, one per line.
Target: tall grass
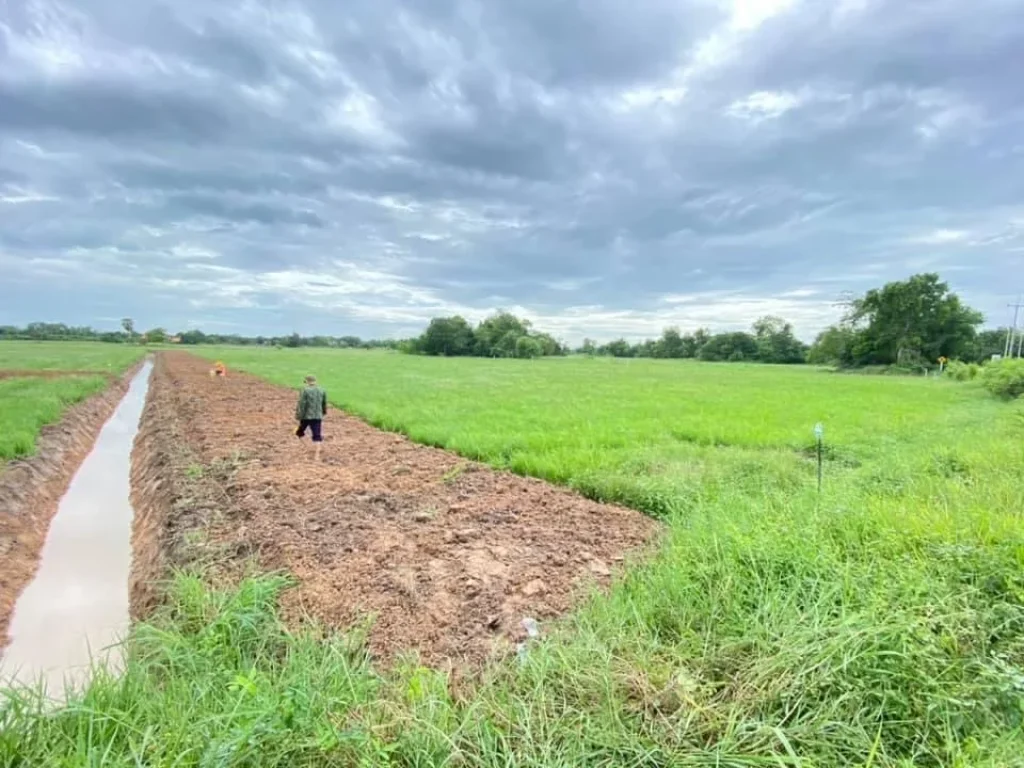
68, 356
881, 624
29, 404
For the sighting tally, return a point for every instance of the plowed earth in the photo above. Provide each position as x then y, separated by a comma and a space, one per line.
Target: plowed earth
449, 556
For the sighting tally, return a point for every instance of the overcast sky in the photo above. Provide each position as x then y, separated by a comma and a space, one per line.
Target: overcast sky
604, 167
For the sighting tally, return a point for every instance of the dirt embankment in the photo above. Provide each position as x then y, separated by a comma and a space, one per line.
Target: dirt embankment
448, 555
31, 489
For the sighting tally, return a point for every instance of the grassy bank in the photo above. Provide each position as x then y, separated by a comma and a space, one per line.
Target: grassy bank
29, 404
881, 624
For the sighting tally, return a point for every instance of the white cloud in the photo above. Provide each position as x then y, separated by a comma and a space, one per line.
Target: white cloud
945, 114
748, 15
941, 237
765, 105
20, 196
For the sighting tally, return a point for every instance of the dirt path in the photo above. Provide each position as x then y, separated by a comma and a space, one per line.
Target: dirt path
449, 555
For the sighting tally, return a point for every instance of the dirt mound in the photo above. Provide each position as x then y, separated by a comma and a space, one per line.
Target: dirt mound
170, 504
448, 555
31, 489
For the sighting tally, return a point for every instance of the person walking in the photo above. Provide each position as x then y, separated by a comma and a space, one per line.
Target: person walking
310, 412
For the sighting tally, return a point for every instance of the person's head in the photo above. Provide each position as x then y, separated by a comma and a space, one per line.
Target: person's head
310, 381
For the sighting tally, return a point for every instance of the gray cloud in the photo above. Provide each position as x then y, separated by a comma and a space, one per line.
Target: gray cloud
605, 167
107, 110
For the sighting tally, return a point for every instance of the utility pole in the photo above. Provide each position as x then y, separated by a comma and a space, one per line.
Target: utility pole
1011, 333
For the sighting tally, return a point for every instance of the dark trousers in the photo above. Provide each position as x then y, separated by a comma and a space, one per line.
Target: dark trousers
314, 426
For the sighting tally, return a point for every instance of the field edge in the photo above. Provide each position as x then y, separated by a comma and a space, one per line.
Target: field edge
31, 488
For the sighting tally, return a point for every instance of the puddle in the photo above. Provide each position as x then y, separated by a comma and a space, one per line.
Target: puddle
76, 607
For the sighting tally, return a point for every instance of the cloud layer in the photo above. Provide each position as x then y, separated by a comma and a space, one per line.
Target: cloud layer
604, 167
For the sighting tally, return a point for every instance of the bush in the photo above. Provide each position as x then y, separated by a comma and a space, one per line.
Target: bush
1005, 378
960, 371
528, 348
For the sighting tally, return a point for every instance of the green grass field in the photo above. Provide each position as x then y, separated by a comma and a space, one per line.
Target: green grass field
654, 434
881, 624
28, 404
68, 356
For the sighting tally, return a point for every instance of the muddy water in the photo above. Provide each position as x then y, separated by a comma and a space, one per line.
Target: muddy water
76, 607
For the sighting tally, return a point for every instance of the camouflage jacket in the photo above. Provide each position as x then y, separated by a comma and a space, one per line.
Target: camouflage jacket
312, 404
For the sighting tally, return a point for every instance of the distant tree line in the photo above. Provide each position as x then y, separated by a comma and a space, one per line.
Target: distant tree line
128, 335
771, 341
500, 335
909, 323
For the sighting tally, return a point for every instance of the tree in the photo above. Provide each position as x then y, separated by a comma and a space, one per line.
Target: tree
833, 346
648, 348
192, 337
730, 347
776, 342
986, 344
492, 330
918, 318
672, 345
293, 341
506, 345
617, 348
589, 347
129, 327
701, 337
548, 344
155, 336
449, 336
528, 348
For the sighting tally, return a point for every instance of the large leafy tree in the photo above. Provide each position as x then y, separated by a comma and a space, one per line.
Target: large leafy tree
492, 333
918, 319
776, 342
673, 345
155, 336
449, 336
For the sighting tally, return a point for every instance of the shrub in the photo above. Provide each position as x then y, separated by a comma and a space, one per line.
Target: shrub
960, 371
528, 348
1005, 378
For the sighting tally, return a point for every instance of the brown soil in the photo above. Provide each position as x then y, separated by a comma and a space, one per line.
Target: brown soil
12, 373
448, 555
31, 489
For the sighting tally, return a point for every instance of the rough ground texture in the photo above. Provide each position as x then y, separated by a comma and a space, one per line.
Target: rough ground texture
448, 555
31, 489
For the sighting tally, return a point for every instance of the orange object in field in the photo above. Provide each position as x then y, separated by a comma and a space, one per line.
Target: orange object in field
220, 369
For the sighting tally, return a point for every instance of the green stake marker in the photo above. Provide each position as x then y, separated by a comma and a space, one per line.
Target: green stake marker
819, 435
